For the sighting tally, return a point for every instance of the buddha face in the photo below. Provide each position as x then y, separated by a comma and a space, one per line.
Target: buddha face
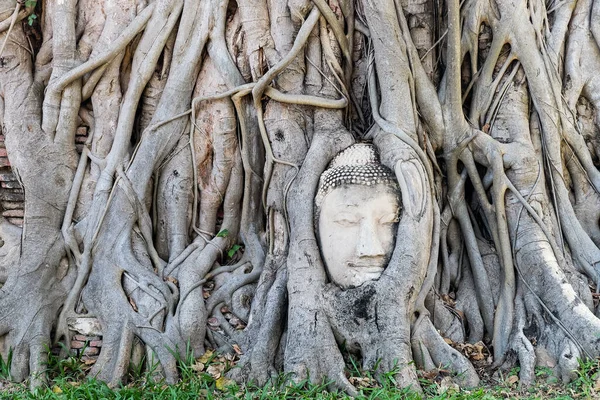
357, 228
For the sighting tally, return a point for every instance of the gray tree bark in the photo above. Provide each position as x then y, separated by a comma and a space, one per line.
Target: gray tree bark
209, 125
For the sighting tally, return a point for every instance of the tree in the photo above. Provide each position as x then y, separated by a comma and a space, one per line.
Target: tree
210, 123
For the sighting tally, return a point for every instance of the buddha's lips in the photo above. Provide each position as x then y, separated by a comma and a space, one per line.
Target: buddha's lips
372, 265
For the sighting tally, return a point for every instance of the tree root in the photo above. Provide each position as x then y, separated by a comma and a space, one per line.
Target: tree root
425, 335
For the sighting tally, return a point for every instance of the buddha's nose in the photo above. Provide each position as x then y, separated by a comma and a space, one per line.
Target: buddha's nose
369, 243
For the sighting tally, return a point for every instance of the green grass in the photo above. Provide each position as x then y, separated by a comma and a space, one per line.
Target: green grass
67, 381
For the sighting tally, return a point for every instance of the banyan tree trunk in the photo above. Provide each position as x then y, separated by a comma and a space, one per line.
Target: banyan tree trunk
186, 220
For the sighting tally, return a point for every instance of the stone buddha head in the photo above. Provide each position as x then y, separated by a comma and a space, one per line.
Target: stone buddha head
356, 211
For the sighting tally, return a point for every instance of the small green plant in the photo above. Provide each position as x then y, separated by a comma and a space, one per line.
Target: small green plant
5, 365
233, 250
32, 17
230, 253
223, 233
587, 375
70, 368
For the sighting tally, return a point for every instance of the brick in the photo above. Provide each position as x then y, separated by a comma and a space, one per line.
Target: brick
82, 131
12, 205
13, 213
80, 338
8, 177
16, 221
91, 351
77, 344
10, 185
3, 152
96, 343
4, 162
80, 139
12, 195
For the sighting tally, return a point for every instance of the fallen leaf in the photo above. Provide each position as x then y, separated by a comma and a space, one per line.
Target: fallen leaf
430, 374
56, 389
198, 367
223, 382
448, 386
512, 380
206, 356
237, 349
215, 370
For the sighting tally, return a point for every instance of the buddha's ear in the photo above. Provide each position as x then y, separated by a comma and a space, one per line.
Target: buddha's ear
412, 179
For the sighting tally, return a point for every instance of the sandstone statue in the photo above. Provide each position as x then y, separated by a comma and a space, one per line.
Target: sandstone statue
357, 209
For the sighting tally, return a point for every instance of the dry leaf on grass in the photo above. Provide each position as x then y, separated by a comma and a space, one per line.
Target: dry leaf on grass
216, 370
206, 356
448, 386
198, 367
223, 382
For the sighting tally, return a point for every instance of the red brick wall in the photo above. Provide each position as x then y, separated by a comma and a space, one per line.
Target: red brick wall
11, 192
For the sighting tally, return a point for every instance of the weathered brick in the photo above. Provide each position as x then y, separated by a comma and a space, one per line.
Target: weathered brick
80, 139
3, 152
8, 177
12, 205
12, 195
82, 131
4, 162
13, 213
80, 338
10, 185
96, 343
91, 351
16, 221
77, 344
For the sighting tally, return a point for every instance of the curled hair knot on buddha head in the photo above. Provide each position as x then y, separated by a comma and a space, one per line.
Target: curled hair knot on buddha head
356, 165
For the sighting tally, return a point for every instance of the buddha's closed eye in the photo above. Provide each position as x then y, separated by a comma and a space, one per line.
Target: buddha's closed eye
389, 219
346, 219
